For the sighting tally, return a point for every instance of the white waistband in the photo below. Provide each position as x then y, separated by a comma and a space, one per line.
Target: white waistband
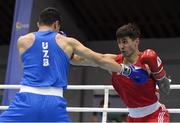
43, 90
143, 111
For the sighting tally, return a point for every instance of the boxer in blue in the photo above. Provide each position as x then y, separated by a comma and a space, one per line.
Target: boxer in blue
46, 57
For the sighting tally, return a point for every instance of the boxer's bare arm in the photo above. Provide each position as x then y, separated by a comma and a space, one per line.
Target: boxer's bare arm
80, 61
81, 55
97, 58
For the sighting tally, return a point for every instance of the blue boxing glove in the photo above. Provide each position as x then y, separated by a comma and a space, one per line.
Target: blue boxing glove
138, 74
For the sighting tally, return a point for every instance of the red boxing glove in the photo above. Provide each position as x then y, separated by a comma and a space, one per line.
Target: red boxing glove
150, 58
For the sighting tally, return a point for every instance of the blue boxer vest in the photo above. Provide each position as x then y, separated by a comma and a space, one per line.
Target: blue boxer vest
45, 63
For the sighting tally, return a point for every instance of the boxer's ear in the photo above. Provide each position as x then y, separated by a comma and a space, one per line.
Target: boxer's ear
38, 24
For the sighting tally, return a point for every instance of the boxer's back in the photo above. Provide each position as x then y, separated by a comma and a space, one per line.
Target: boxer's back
45, 63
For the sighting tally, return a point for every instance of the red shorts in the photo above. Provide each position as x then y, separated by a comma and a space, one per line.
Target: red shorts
160, 116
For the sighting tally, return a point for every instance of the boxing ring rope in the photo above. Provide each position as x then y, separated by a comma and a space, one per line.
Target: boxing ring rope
105, 109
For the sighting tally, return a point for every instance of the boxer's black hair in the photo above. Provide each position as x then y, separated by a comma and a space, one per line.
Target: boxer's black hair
130, 30
49, 15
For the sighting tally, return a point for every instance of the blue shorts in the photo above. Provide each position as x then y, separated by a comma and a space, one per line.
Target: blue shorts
30, 107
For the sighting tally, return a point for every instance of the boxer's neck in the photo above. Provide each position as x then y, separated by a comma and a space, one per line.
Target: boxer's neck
132, 58
45, 28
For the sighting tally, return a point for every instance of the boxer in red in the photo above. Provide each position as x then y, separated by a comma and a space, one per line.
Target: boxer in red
141, 99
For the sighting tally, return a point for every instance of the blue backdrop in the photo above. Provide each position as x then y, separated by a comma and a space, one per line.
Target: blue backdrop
22, 15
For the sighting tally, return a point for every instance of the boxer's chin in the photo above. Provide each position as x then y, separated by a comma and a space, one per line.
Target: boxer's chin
125, 54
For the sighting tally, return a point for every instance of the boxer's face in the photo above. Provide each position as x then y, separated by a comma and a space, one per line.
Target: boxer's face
127, 45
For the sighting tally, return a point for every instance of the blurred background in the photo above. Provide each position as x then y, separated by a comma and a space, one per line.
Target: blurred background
94, 23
